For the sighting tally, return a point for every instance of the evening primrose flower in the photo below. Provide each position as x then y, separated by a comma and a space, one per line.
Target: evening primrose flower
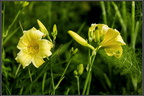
110, 39
33, 48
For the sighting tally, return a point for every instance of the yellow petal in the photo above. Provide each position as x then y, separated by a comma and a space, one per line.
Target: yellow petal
24, 58
117, 41
114, 51
44, 48
37, 61
32, 34
22, 45
109, 37
105, 28
120, 40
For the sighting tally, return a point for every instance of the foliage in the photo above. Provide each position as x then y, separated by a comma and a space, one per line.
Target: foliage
110, 76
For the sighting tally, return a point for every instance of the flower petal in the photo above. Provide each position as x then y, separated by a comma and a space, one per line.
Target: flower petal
44, 48
105, 28
120, 40
109, 36
37, 61
21, 44
114, 50
24, 58
32, 34
117, 41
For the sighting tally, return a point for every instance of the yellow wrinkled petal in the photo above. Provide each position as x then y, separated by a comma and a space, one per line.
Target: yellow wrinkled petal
44, 48
109, 36
24, 58
114, 51
22, 45
117, 41
37, 61
32, 35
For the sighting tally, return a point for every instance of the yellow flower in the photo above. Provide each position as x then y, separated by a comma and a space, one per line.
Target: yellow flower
108, 38
112, 42
33, 48
97, 31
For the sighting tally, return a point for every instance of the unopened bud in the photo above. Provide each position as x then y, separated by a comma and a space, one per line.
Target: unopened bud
54, 33
42, 27
25, 4
79, 39
80, 69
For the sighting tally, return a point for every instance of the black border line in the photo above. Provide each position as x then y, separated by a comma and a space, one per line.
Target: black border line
142, 48
71, 0
1, 48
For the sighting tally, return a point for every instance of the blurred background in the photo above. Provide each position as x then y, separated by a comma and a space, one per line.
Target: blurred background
110, 76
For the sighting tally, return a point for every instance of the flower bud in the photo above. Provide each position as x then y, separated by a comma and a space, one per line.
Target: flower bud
25, 4
54, 33
75, 73
80, 69
79, 39
42, 28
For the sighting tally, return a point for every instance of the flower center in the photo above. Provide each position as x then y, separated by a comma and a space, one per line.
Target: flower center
33, 48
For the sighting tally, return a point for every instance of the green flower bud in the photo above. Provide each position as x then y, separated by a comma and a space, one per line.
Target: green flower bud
75, 51
54, 33
25, 4
42, 28
80, 69
75, 73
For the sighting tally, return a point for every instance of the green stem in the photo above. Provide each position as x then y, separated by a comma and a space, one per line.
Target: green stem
9, 36
78, 85
91, 61
133, 25
103, 12
43, 82
49, 38
21, 91
30, 75
68, 89
124, 12
6, 33
3, 18
120, 18
53, 92
62, 76
88, 88
17, 70
88, 66
136, 33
